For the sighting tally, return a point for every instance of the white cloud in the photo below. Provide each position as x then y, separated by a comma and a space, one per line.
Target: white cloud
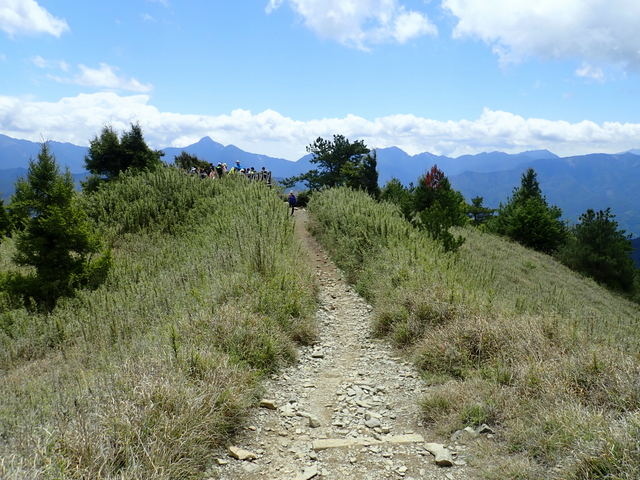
27, 17
104, 77
146, 17
78, 119
595, 31
589, 71
360, 23
41, 62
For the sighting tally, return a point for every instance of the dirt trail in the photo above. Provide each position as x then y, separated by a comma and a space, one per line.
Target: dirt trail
348, 388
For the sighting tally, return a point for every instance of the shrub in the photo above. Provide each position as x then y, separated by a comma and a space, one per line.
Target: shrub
57, 241
528, 219
599, 250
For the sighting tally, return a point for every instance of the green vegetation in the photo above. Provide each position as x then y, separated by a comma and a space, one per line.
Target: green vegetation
186, 161
432, 206
340, 163
438, 207
395, 192
110, 155
507, 336
57, 240
528, 219
5, 221
479, 213
599, 250
146, 375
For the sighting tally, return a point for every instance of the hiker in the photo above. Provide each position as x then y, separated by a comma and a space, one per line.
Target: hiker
292, 202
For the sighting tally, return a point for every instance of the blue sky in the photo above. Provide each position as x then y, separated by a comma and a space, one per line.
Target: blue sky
445, 76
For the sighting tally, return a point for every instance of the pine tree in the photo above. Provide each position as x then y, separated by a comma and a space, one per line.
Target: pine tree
478, 212
528, 219
395, 192
109, 155
599, 250
57, 240
340, 163
186, 161
438, 207
5, 221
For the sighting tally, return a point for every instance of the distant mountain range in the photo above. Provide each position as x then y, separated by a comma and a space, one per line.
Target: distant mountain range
16, 153
575, 184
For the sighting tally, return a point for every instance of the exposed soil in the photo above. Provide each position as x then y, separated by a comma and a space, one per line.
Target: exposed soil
349, 387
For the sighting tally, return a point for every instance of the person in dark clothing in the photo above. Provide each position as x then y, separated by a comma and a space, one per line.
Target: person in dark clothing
292, 202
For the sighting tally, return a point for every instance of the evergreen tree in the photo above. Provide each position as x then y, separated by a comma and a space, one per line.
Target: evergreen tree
395, 192
340, 163
528, 219
186, 161
109, 155
5, 221
599, 250
438, 207
478, 212
57, 240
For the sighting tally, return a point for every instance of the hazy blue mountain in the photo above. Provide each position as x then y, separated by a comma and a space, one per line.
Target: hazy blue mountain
394, 162
575, 184
214, 152
8, 179
16, 153
493, 161
9, 176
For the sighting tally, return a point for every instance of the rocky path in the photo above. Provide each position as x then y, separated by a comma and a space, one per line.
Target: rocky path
347, 409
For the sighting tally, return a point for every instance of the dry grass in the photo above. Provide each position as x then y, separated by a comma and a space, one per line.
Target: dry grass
506, 336
147, 375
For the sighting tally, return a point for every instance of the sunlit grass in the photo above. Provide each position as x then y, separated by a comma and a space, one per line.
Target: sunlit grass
144, 376
506, 336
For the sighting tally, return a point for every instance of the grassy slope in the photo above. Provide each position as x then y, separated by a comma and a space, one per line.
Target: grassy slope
144, 376
507, 337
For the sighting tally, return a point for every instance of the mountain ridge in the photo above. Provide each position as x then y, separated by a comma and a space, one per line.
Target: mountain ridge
574, 183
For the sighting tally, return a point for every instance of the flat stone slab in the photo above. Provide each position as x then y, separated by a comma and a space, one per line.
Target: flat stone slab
402, 439
442, 454
326, 443
241, 454
268, 403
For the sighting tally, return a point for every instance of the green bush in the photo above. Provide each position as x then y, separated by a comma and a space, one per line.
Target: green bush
528, 219
57, 241
599, 250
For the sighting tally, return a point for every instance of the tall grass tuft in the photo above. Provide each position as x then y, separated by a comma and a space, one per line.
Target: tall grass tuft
146, 375
506, 336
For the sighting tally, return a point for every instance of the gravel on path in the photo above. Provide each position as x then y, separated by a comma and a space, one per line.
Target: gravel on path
347, 409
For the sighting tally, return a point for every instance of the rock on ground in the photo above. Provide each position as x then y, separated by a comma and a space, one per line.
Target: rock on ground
347, 409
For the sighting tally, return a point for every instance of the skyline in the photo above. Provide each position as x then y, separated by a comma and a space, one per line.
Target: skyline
450, 77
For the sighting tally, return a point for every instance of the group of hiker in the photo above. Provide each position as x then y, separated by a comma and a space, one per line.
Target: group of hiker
221, 169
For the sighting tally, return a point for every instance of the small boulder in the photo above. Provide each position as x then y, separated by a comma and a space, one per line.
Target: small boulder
241, 454
484, 428
372, 422
443, 457
269, 404
314, 422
